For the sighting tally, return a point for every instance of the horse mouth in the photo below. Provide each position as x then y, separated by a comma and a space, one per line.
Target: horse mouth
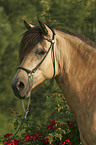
24, 96
19, 96
28, 93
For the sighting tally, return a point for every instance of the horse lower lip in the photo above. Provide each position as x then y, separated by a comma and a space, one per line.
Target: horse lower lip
18, 95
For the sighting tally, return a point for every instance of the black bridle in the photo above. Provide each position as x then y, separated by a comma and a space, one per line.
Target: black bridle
30, 78
52, 41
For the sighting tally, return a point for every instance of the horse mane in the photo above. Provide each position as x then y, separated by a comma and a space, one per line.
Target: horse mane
60, 27
84, 39
30, 38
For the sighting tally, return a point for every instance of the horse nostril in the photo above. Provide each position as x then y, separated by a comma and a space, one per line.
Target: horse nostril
20, 86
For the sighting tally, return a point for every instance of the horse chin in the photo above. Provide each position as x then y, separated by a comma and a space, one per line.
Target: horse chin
18, 95
21, 97
25, 96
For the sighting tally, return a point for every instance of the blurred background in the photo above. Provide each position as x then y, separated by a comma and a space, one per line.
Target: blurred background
73, 15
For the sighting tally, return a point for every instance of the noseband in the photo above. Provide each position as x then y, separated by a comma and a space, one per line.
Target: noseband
30, 76
52, 41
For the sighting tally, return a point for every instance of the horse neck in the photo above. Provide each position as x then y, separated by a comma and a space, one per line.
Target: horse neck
76, 61
69, 49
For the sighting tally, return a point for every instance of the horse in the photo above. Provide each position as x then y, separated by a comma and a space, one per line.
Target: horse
71, 59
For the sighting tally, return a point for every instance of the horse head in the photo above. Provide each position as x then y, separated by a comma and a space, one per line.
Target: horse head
37, 59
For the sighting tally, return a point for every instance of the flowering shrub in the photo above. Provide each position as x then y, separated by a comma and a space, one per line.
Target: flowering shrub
54, 136
60, 131
36, 136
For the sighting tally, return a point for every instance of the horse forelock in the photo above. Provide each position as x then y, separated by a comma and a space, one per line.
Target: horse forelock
30, 38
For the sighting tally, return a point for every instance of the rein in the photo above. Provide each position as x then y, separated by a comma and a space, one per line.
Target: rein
30, 77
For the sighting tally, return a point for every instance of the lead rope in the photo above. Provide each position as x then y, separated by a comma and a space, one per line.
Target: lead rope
30, 76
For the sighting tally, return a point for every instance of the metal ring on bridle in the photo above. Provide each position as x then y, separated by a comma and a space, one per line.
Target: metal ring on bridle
52, 41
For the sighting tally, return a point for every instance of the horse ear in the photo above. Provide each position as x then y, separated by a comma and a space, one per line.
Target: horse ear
28, 26
44, 28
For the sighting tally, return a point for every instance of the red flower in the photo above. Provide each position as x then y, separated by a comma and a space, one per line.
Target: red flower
67, 141
53, 122
35, 136
5, 142
45, 139
32, 138
13, 141
26, 137
7, 134
52, 128
18, 141
51, 125
70, 124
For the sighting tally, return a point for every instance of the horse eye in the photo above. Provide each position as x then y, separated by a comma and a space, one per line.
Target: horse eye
42, 52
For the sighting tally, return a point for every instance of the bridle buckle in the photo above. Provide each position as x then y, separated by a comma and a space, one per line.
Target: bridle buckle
53, 41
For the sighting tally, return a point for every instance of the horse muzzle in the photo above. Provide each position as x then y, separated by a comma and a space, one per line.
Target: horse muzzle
20, 88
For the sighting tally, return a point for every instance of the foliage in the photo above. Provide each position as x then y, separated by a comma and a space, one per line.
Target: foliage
59, 131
